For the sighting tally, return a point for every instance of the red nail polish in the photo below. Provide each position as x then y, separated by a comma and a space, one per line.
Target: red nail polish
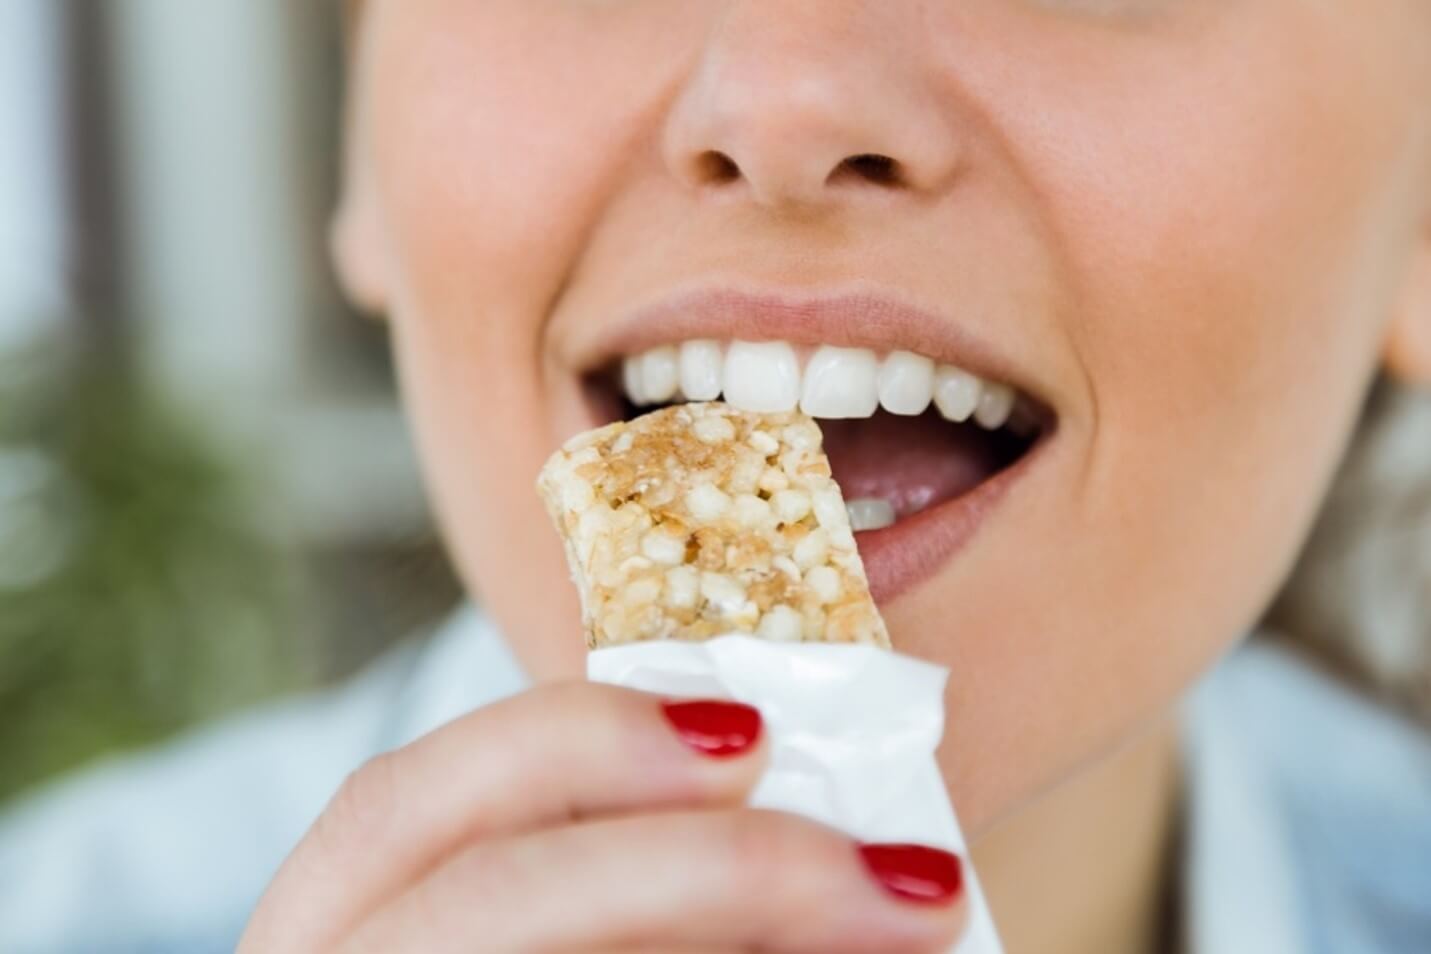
915, 873
717, 729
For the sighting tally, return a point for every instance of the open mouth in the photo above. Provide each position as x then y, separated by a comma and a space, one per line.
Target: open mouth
921, 448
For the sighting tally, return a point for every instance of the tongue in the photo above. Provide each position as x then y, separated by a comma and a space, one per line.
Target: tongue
913, 462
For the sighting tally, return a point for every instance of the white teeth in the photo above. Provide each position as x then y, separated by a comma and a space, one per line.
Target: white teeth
841, 383
956, 392
766, 377
701, 370
659, 375
631, 380
870, 513
763, 377
906, 383
995, 406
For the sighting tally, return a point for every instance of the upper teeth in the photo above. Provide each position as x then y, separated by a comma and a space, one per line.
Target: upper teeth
770, 376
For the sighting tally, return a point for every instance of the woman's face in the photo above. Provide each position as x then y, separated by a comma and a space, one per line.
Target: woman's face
1178, 228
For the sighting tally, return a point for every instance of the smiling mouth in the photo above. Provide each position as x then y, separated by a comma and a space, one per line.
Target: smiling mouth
921, 448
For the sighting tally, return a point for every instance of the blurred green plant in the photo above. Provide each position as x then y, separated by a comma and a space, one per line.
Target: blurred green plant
141, 586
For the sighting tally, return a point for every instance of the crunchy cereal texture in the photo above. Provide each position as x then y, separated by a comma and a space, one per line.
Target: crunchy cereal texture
698, 520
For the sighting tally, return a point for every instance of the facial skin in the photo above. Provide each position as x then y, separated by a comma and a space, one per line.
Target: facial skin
1192, 229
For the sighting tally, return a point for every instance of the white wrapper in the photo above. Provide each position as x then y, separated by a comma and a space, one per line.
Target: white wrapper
852, 733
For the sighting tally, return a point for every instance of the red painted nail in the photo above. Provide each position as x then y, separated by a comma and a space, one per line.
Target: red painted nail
717, 729
915, 873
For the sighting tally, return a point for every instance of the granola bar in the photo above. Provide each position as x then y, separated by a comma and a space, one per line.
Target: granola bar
699, 520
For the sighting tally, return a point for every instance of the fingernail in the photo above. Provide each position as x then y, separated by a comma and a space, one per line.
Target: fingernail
717, 729
915, 873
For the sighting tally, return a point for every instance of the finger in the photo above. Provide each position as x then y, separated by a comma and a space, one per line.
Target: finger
552, 755
733, 878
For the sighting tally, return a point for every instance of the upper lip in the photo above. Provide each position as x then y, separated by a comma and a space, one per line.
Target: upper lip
845, 319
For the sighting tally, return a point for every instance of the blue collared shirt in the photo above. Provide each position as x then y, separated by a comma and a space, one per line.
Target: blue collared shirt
1308, 818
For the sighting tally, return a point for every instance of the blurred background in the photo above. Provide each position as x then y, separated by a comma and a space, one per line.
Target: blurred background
207, 496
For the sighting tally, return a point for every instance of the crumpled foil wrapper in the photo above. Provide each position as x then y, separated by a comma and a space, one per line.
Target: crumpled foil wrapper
852, 732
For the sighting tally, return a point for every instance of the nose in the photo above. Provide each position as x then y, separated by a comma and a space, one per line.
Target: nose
808, 102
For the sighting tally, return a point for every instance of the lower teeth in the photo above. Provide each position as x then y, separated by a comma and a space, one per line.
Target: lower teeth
870, 513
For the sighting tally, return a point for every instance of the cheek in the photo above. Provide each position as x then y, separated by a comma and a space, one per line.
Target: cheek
502, 129
1227, 215
488, 182
480, 461
1226, 274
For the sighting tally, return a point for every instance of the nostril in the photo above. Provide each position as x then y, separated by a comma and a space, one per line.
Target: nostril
870, 167
716, 168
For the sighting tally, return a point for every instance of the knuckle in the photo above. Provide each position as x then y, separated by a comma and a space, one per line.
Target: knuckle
558, 702
779, 855
547, 750
363, 805
787, 870
487, 875
783, 871
567, 700
591, 706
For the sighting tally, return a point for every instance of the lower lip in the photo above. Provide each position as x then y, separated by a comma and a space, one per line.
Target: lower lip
907, 553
